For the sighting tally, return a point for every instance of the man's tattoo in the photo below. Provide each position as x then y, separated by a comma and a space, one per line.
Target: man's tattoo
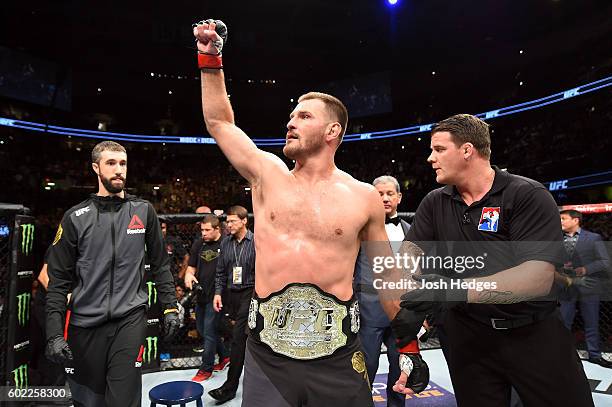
500, 297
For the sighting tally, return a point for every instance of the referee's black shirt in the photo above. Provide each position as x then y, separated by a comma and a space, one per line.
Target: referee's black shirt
516, 209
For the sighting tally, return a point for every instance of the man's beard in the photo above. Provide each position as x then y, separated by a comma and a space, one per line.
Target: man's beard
300, 150
108, 184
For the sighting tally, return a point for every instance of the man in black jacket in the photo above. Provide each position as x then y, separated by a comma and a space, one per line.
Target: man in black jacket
201, 274
98, 254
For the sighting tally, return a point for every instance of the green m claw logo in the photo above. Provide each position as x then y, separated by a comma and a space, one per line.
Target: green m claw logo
27, 238
23, 308
151, 347
152, 292
21, 376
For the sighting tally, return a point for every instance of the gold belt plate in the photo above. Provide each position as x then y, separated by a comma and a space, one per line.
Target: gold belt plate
301, 323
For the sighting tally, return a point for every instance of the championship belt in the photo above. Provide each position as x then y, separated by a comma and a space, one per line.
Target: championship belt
303, 322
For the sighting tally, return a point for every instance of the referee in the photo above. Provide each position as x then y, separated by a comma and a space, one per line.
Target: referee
499, 337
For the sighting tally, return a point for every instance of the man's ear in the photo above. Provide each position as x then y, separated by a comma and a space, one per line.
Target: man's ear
333, 131
96, 168
467, 150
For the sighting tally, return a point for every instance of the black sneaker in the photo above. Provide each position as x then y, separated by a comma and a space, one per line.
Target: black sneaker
601, 362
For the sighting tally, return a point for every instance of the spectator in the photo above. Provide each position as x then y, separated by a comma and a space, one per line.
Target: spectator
586, 267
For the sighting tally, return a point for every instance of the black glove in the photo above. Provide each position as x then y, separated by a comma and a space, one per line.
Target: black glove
171, 323
406, 325
444, 290
58, 351
220, 28
417, 370
585, 282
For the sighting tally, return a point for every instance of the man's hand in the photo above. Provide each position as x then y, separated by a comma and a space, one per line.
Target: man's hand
171, 323
189, 280
580, 271
442, 292
585, 282
58, 351
414, 376
217, 303
210, 36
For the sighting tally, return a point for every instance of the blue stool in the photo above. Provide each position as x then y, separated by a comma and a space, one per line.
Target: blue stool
172, 393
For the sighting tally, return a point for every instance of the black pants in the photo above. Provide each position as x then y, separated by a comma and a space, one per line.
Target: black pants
106, 362
273, 380
239, 306
538, 360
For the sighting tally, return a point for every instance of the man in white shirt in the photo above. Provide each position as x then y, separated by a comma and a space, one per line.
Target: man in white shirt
375, 326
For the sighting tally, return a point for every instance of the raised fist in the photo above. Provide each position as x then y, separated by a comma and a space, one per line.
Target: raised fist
210, 36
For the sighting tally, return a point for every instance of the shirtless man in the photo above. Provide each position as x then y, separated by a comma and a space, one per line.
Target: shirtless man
303, 347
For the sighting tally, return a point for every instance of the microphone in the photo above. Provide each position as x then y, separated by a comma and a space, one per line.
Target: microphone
466, 219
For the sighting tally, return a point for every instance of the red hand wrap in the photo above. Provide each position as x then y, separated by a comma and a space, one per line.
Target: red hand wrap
209, 61
412, 347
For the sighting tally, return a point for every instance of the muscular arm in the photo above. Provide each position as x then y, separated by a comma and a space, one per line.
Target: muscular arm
219, 117
377, 244
528, 280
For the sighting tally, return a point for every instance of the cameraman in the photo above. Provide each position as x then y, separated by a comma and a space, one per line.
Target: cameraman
203, 258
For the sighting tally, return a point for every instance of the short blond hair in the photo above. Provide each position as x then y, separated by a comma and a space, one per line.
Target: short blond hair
334, 106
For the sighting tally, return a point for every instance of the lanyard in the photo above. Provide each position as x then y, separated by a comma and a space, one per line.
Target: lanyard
239, 256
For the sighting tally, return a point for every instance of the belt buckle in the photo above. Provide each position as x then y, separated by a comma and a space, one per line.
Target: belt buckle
301, 323
494, 323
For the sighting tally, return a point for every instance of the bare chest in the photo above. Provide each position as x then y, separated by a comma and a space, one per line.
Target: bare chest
326, 213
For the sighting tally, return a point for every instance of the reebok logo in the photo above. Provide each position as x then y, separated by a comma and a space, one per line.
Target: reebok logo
136, 226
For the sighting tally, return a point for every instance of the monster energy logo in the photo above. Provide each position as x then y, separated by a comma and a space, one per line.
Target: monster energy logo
21, 376
152, 292
27, 238
23, 308
151, 346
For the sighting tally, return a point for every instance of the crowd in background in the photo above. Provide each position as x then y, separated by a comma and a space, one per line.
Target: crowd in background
564, 140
